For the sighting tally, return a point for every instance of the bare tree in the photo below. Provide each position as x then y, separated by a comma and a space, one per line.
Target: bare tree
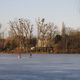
1, 38
63, 29
22, 28
46, 31
1, 32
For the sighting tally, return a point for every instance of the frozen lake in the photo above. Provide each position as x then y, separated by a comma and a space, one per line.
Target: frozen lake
40, 67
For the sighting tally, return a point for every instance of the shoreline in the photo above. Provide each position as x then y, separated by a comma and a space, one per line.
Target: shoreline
38, 53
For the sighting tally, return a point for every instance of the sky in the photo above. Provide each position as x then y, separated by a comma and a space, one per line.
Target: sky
55, 11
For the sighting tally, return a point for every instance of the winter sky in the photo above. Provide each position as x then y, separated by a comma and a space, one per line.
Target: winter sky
55, 11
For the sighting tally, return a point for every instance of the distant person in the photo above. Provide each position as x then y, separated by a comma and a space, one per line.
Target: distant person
32, 48
19, 56
30, 55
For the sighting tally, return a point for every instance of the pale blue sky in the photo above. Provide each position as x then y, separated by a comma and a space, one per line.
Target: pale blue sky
53, 10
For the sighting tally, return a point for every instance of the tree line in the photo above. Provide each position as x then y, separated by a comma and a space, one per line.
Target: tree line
49, 39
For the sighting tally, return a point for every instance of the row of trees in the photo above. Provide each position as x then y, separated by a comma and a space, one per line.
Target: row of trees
21, 37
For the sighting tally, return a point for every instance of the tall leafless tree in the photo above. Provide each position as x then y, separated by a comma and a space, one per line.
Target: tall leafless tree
46, 30
22, 28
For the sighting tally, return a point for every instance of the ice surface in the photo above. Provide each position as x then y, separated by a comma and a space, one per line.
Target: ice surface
40, 67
